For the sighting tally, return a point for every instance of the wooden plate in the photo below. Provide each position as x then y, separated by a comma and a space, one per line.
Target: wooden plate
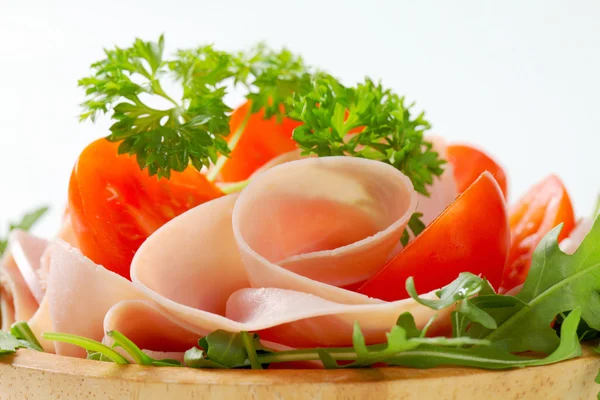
32, 375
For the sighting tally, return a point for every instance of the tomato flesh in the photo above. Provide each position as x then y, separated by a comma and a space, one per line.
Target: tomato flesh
469, 163
472, 235
262, 140
546, 205
114, 205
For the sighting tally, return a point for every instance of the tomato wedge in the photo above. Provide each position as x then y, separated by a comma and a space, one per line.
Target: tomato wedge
546, 205
469, 163
472, 235
114, 206
262, 140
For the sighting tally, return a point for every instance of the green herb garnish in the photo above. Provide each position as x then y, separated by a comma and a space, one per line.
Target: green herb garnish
387, 131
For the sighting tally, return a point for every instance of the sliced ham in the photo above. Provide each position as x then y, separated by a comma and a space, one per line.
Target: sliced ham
334, 219
318, 223
194, 260
79, 295
27, 252
149, 327
272, 261
17, 303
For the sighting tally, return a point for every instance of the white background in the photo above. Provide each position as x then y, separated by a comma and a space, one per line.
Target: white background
519, 78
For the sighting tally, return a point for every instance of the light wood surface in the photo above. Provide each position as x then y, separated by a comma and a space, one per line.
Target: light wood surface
31, 375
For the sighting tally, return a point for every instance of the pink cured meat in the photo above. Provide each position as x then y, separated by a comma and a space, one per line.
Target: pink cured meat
268, 261
27, 252
79, 294
281, 298
20, 285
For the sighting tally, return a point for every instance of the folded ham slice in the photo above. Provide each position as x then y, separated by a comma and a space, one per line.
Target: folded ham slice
318, 223
79, 294
20, 287
27, 252
273, 260
301, 228
17, 303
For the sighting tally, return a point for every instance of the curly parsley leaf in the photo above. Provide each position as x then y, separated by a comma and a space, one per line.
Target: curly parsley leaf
365, 121
26, 223
272, 78
192, 131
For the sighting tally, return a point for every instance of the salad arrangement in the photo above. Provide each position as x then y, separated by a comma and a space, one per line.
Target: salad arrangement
317, 225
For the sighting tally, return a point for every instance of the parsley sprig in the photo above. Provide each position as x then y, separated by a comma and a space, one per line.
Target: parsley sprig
388, 132
194, 130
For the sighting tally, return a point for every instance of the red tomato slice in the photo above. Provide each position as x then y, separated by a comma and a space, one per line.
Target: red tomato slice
115, 206
546, 205
262, 140
471, 235
469, 163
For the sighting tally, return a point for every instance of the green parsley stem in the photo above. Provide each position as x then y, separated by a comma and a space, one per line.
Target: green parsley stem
233, 141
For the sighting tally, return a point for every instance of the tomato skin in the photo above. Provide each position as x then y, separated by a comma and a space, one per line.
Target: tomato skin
262, 140
469, 163
472, 235
114, 205
542, 208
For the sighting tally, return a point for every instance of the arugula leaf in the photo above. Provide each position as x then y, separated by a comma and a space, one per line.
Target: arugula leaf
10, 344
330, 112
225, 348
465, 286
25, 224
492, 357
556, 283
22, 331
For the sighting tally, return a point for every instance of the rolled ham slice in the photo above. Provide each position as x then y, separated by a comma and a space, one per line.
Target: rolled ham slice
301, 228
271, 261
